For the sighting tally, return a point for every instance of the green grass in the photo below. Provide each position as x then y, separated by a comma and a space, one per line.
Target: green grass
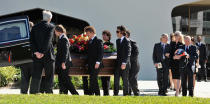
66, 99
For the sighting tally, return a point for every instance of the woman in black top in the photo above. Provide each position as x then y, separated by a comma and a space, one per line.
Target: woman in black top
174, 64
106, 79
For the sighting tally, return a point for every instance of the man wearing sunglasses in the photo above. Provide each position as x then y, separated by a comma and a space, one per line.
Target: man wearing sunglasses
123, 61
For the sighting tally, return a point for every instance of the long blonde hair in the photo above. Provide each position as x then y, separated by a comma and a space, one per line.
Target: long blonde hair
181, 37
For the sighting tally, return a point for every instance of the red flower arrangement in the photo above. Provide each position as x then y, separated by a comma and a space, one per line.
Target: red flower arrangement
79, 43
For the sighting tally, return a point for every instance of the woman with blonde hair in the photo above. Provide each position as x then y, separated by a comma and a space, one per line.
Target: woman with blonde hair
174, 64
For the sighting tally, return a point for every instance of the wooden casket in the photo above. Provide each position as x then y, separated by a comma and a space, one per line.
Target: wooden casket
79, 67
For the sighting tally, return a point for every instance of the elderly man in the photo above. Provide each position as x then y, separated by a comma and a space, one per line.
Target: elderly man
186, 67
161, 61
43, 53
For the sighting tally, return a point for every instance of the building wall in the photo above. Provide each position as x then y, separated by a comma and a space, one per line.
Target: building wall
146, 19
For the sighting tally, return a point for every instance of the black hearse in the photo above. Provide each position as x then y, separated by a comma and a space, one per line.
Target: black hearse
15, 33
14, 41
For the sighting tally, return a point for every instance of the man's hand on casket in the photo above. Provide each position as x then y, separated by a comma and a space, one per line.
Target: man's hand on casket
123, 66
97, 66
38, 55
63, 65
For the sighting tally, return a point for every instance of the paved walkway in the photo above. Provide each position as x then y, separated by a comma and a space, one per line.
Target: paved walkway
147, 88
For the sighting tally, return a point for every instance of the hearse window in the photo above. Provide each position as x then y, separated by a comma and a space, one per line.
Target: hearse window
12, 31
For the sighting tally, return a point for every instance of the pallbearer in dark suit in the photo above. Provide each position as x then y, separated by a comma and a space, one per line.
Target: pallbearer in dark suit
106, 79
43, 53
161, 61
63, 62
95, 55
135, 67
202, 72
186, 67
123, 61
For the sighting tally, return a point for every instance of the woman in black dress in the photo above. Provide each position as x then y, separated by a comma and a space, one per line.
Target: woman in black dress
106, 79
174, 64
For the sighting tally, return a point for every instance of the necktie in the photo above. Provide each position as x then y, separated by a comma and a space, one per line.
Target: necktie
163, 47
90, 41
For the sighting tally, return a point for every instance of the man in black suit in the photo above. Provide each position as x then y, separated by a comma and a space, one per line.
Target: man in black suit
187, 69
63, 62
95, 55
43, 53
135, 67
123, 61
202, 72
161, 61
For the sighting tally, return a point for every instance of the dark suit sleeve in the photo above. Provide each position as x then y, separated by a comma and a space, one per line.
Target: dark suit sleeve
32, 41
64, 50
100, 50
154, 56
205, 53
48, 39
193, 55
135, 49
126, 51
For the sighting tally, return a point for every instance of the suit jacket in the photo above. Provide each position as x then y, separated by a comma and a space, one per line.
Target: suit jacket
95, 52
158, 53
202, 51
173, 47
41, 40
192, 53
134, 50
63, 53
123, 50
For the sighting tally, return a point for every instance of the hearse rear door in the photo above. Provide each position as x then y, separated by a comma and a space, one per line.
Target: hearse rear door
14, 41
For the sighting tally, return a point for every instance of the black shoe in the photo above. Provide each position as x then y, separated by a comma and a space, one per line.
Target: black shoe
206, 80
163, 94
136, 94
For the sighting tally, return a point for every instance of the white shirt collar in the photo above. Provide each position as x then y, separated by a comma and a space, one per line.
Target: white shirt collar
122, 38
93, 37
61, 36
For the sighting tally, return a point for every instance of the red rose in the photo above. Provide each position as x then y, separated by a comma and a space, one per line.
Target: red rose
84, 35
82, 48
79, 36
78, 43
74, 36
71, 41
106, 46
85, 43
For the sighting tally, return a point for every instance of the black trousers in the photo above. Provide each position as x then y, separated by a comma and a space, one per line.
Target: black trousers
26, 72
94, 87
162, 78
65, 83
124, 74
43, 85
105, 84
36, 76
133, 76
187, 80
85, 85
202, 72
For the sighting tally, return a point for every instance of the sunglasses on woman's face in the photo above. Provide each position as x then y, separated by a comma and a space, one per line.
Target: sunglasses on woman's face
117, 31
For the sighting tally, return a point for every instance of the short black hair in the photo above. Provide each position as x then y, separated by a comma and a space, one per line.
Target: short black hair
122, 29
